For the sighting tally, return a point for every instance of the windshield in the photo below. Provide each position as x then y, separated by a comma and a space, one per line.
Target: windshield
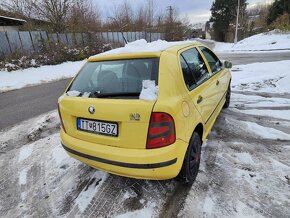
114, 78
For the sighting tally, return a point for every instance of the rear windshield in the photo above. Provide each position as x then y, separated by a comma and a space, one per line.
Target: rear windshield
118, 78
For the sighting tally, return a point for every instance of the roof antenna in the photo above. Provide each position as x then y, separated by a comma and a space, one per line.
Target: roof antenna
120, 28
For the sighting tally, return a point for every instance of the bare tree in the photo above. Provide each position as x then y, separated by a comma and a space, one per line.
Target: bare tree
140, 19
54, 11
84, 17
123, 15
19, 8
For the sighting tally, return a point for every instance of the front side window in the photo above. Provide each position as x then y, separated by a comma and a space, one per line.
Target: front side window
193, 67
117, 78
213, 61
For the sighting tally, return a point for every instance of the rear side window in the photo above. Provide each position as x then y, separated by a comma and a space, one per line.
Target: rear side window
118, 77
213, 61
193, 68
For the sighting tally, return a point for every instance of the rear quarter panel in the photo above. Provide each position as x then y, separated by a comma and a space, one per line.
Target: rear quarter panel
173, 97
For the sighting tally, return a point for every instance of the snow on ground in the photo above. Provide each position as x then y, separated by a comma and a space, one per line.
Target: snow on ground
263, 77
245, 168
42, 163
273, 40
142, 213
244, 172
33, 76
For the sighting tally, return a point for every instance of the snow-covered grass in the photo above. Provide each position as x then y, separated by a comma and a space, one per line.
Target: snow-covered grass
263, 77
33, 76
269, 41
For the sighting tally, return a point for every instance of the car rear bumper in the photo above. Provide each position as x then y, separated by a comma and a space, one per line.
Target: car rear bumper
154, 164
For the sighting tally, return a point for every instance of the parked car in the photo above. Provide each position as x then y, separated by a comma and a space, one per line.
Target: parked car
145, 114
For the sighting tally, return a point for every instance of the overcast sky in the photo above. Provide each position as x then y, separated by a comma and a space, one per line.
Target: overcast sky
196, 11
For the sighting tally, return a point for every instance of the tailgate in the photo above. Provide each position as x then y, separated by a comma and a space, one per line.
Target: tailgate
132, 117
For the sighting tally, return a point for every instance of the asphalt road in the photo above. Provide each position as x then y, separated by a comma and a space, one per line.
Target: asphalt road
22, 104
249, 58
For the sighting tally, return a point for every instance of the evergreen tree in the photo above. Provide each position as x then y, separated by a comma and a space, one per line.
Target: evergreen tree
223, 13
278, 8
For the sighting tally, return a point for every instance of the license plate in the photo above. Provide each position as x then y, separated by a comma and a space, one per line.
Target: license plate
98, 127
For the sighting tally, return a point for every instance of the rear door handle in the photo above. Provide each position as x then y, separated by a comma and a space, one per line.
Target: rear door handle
217, 82
199, 100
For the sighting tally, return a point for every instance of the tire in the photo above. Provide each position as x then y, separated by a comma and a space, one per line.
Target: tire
228, 98
191, 161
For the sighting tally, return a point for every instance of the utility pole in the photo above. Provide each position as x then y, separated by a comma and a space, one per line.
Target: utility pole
237, 23
169, 28
170, 9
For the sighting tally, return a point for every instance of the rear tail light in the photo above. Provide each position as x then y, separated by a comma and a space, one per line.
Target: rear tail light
60, 118
161, 130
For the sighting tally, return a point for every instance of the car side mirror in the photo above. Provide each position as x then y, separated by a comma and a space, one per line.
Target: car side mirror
228, 64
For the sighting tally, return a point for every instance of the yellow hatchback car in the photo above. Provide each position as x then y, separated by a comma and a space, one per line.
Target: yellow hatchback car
144, 112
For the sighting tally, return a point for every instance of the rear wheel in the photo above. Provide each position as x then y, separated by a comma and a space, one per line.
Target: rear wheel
228, 98
191, 161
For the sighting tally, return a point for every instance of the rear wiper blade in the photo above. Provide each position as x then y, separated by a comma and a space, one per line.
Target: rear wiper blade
115, 94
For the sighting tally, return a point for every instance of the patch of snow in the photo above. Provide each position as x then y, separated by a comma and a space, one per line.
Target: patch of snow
258, 101
143, 213
128, 195
283, 84
73, 93
149, 90
279, 166
86, 94
32, 76
263, 77
25, 152
244, 211
32, 62
23, 176
280, 114
208, 206
142, 45
59, 154
266, 132
245, 158
86, 196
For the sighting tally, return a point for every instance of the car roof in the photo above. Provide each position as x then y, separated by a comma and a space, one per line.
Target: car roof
142, 49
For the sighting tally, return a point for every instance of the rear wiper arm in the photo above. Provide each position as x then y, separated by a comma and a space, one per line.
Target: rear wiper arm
115, 94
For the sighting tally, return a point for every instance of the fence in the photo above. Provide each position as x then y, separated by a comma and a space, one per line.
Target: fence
30, 41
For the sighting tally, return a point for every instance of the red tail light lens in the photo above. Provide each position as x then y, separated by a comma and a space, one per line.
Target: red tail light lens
60, 118
161, 130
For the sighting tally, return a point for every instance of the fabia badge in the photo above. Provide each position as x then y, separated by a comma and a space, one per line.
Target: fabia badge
91, 110
135, 116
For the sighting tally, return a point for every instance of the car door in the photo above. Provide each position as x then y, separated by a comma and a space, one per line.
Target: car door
198, 82
218, 73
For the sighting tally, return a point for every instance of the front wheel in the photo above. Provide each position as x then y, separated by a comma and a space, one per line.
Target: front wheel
191, 161
228, 98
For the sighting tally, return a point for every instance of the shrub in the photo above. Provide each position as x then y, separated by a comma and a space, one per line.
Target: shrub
282, 22
53, 54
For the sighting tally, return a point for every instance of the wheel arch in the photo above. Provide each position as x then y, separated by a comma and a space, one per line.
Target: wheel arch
199, 130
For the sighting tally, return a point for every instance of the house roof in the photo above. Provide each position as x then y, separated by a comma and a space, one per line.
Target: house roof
10, 21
